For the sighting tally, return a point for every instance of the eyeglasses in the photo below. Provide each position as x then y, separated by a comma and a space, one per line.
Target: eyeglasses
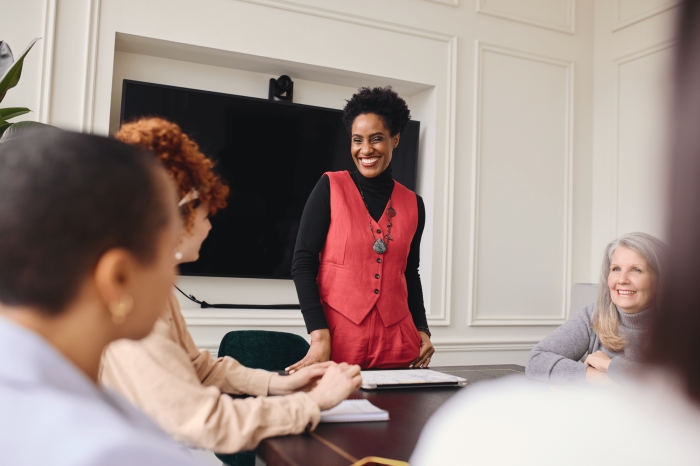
189, 197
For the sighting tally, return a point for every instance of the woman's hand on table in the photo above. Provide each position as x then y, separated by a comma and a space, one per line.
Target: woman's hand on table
426, 352
594, 376
599, 361
319, 351
303, 380
339, 381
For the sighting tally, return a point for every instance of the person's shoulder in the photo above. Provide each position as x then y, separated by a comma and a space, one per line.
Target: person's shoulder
322, 189
530, 413
144, 455
587, 311
84, 430
342, 174
122, 434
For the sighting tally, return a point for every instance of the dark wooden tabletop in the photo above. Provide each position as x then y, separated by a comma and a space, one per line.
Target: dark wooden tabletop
343, 444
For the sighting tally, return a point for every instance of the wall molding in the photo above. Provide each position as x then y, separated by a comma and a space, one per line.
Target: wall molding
454, 3
93, 34
353, 19
620, 24
473, 319
630, 57
197, 317
569, 27
466, 345
47, 55
474, 345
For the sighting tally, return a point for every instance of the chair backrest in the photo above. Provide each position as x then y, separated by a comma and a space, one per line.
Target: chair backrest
262, 349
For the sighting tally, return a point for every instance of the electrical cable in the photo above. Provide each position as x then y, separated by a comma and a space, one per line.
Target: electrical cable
204, 304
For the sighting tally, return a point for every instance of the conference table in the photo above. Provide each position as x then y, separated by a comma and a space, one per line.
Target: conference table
344, 444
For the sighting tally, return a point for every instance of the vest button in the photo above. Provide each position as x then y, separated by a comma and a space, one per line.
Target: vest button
379, 232
376, 276
379, 261
376, 291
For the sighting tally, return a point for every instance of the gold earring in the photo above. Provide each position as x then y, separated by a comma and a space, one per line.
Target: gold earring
121, 308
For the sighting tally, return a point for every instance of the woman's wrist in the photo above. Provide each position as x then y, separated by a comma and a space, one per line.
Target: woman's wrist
424, 330
321, 335
278, 385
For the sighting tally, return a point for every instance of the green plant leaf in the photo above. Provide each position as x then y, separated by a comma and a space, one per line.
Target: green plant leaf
11, 112
16, 130
12, 75
6, 58
3, 126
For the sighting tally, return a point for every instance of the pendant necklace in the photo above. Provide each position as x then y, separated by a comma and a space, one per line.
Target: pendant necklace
379, 245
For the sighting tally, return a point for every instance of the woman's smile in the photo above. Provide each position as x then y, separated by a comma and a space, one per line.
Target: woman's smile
369, 161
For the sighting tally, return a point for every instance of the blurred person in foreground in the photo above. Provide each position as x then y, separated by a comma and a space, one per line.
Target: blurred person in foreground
654, 419
183, 388
88, 226
609, 332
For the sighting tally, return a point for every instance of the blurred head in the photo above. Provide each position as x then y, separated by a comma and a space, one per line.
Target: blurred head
674, 339
629, 279
374, 118
201, 192
84, 213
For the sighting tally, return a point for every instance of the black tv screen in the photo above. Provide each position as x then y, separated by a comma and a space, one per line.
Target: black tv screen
272, 154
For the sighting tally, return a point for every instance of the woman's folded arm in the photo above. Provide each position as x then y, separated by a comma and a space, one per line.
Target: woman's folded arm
556, 358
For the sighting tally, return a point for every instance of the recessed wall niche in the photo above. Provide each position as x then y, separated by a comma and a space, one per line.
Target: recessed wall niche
192, 66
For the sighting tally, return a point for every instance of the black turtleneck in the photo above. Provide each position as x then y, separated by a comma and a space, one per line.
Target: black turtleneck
313, 230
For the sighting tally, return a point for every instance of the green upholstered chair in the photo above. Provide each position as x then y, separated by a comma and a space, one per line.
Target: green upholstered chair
260, 349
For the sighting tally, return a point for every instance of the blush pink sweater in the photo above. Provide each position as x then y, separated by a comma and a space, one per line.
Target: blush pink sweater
183, 389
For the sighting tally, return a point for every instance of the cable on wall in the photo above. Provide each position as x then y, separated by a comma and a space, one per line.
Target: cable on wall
204, 304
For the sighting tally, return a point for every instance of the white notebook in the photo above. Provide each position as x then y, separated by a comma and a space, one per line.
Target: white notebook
354, 411
409, 378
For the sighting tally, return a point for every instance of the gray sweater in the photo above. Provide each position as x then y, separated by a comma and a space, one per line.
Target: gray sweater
557, 358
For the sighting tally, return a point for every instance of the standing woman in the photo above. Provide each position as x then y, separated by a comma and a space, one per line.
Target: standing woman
356, 259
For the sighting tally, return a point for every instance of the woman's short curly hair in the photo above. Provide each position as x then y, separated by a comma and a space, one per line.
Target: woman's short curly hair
382, 101
180, 155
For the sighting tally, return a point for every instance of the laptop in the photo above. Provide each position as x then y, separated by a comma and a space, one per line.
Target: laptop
409, 378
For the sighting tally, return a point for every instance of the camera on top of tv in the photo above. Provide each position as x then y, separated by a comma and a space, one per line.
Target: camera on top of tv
281, 88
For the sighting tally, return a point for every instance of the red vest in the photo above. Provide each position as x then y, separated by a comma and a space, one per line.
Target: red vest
352, 278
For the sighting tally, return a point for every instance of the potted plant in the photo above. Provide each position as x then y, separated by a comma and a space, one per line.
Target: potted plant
10, 72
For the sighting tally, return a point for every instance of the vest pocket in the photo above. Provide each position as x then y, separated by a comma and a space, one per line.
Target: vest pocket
334, 250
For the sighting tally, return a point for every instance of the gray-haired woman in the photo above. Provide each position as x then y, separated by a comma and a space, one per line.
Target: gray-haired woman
610, 329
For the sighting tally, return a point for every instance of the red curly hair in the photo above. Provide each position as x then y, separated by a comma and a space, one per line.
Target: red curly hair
180, 155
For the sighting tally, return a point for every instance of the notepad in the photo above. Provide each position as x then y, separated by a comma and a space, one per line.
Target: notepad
409, 378
354, 411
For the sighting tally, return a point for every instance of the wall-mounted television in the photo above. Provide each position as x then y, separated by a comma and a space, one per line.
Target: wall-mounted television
271, 154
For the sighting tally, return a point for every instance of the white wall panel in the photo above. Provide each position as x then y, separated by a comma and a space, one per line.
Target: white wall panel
522, 189
629, 118
628, 12
642, 102
559, 15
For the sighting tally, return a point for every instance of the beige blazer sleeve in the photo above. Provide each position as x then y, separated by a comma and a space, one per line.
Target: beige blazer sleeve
180, 387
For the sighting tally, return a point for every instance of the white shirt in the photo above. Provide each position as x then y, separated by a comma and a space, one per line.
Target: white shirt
516, 422
51, 413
